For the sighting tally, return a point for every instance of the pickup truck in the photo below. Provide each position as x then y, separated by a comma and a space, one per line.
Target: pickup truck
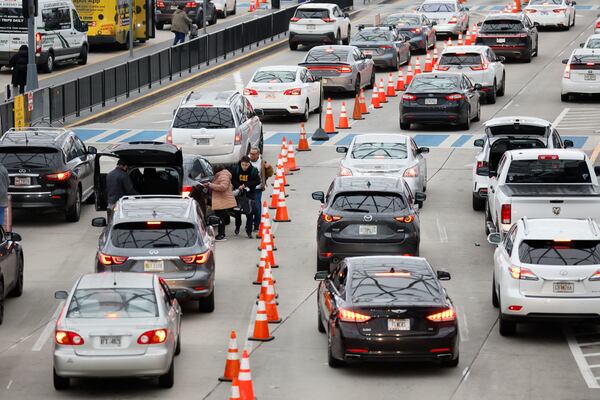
541, 183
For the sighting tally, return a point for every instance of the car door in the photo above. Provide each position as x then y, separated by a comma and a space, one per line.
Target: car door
421, 163
172, 309
496, 65
254, 121
339, 16
64, 31
314, 90
100, 172
8, 261
77, 163
503, 256
77, 35
87, 167
471, 95
333, 292
357, 58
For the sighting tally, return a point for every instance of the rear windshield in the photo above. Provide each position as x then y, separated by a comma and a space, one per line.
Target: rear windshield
373, 36
393, 285
12, 20
517, 130
204, 117
401, 20
585, 61
312, 13
593, 44
438, 7
460, 59
113, 303
30, 157
145, 235
378, 151
548, 171
275, 77
369, 202
545, 2
434, 84
501, 146
550, 252
500, 25
327, 55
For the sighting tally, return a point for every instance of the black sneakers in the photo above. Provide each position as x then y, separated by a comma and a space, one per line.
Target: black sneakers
220, 238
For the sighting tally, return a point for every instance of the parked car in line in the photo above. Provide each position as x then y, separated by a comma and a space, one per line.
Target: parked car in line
319, 23
225, 8
513, 36
387, 48
12, 267
193, 9
557, 13
419, 29
592, 42
450, 16
582, 74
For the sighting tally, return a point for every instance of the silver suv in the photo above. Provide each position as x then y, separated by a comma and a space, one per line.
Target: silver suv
221, 126
166, 235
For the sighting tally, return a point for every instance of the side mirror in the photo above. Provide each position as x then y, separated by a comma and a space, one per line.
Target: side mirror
500, 59
319, 196
14, 237
581, 45
467, 9
568, 143
443, 275
479, 143
433, 23
99, 222
423, 150
597, 170
565, 61
259, 112
61, 295
483, 171
367, 56
478, 86
341, 149
321, 275
420, 197
213, 220
317, 78
479, 23
494, 238
574, 3
346, 15
92, 150
84, 25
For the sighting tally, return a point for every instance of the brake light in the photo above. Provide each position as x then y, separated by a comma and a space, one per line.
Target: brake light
481, 164
515, 308
59, 176
238, 138
416, 30
169, 138
294, 19
595, 277
455, 96
559, 10
385, 46
352, 316
598, 25
346, 69
191, 4
195, 258
38, 42
250, 92
345, 172
521, 35
439, 67
330, 218
481, 67
68, 338
443, 316
328, 20
567, 73
409, 97
407, 219
160, 4
453, 20
105, 259
411, 172
548, 157
505, 213
522, 273
293, 92
155, 336
185, 191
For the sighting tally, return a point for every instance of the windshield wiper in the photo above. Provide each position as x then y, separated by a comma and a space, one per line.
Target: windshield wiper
355, 210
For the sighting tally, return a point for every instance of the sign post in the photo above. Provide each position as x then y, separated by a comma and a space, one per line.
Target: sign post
30, 10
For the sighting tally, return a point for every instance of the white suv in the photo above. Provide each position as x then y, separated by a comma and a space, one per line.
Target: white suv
546, 269
221, 126
319, 23
480, 64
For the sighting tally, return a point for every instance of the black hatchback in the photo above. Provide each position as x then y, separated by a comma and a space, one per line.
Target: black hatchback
509, 35
387, 309
367, 215
441, 98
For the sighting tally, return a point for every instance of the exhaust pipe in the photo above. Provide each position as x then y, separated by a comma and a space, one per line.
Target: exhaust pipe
446, 356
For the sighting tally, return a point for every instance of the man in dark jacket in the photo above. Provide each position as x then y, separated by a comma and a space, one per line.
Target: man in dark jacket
180, 24
118, 184
18, 63
245, 178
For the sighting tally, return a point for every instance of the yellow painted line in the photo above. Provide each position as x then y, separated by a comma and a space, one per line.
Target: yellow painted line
595, 154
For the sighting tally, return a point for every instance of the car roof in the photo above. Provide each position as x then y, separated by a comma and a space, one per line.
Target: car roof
334, 47
368, 183
593, 36
155, 208
532, 154
439, 1
559, 229
294, 68
407, 14
504, 15
439, 74
419, 264
317, 5
34, 136
585, 51
511, 120
132, 280
212, 98
380, 137
464, 49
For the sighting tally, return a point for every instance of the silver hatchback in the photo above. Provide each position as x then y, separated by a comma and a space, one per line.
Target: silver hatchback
117, 325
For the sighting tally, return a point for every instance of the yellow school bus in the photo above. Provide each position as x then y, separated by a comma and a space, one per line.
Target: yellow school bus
108, 20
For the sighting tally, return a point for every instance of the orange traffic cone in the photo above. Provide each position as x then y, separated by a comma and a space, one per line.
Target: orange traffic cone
263, 214
261, 268
329, 124
266, 225
460, 39
270, 294
275, 194
449, 44
261, 327
271, 303
303, 142
409, 75
391, 92
245, 378
284, 157
428, 65
263, 243
251, 9
363, 103
375, 98
235, 390
282, 213
468, 38
343, 121
381, 92
474, 33
400, 82
281, 168
417, 66
282, 182
232, 365
270, 259
256, 4
292, 157
356, 112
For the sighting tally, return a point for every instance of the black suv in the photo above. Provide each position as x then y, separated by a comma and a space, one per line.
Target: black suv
11, 267
363, 216
509, 35
48, 168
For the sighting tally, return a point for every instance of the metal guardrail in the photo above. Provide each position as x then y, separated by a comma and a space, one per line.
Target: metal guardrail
101, 89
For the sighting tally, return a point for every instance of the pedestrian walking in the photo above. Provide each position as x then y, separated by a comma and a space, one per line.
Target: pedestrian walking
18, 63
118, 184
245, 180
180, 24
265, 171
221, 196
4, 182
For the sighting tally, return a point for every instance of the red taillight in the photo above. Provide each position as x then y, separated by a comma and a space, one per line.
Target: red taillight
407, 219
567, 73
455, 96
385, 47
548, 157
441, 350
559, 10
196, 258
328, 20
238, 138
411, 172
522, 273
505, 213
481, 67
160, 4
345, 171
155, 336
68, 338
409, 97
481, 164
353, 350
595, 277
443, 316
416, 30
169, 138
250, 92
105, 259
453, 20
293, 92
352, 316
598, 25
185, 191
59, 176
515, 308
330, 218
294, 19
38, 42
346, 69
439, 67
191, 4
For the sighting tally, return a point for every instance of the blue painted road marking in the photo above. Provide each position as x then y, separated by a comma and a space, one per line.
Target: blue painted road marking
114, 135
461, 140
430, 140
146, 136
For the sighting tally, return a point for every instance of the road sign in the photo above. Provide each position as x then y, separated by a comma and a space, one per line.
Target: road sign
19, 111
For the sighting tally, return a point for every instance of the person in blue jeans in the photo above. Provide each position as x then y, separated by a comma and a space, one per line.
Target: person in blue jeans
4, 182
180, 24
265, 171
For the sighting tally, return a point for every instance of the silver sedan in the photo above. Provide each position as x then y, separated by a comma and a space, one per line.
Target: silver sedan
117, 325
450, 16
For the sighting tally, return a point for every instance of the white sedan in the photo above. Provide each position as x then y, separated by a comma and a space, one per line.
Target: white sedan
582, 74
381, 154
560, 13
592, 42
284, 90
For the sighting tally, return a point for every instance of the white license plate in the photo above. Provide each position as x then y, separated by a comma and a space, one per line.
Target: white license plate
367, 229
270, 96
589, 77
310, 27
202, 141
430, 101
563, 287
110, 341
398, 324
173, 7
154, 265
368, 52
544, 12
324, 80
22, 181
500, 40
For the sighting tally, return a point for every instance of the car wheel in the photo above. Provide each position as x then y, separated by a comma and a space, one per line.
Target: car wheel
207, 304
320, 326
357, 85
404, 126
60, 383
478, 203
466, 125
347, 40
451, 363
293, 46
17, 291
167, 380
574, 16
503, 86
491, 95
372, 80
564, 97
178, 347
306, 114
73, 212
48, 66
396, 62
160, 26
322, 265
1, 302
506, 328
83, 56
478, 115
495, 301
332, 361
537, 48
338, 38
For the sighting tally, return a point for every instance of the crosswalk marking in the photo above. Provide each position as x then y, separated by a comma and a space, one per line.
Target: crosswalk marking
583, 120
581, 351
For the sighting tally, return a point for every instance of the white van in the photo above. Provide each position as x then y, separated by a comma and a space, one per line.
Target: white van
59, 33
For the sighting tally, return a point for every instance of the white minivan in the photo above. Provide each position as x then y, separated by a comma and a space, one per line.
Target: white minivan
60, 34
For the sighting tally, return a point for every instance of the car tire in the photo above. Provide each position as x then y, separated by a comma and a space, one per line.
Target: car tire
537, 48
167, 380
347, 40
17, 291
404, 126
73, 213
506, 328
322, 265
502, 88
48, 66
490, 97
293, 46
306, 114
357, 86
320, 326
396, 62
160, 26
207, 304
338, 38
574, 16
451, 363
495, 301
478, 203
1, 302
178, 347
477, 117
564, 97
83, 56
60, 383
332, 361
466, 125
372, 80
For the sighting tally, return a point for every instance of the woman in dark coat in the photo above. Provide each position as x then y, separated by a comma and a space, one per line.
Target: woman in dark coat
18, 62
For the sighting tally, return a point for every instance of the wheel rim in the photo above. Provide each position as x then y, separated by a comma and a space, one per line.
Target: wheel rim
307, 110
50, 63
78, 203
1, 302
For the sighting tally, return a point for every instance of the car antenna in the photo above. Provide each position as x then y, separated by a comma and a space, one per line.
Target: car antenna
368, 184
392, 270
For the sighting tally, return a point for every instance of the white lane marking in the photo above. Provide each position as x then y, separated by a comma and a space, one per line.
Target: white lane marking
464, 332
441, 231
560, 116
580, 360
589, 344
45, 335
249, 332
507, 105
239, 83
162, 122
466, 372
595, 366
9, 384
592, 355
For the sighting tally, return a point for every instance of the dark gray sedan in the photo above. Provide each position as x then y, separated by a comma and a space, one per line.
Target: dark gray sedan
386, 47
417, 27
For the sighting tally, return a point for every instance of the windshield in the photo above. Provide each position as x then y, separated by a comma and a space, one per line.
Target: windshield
148, 235
12, 20
593, 43
312, 13
427, 84
30, 157
373, 36
460, 59
550, 252
113, 303
389, 285
371, 202
548, 171
401, 20
438, 7
327, 55
275, 77
501, 25
204, 117
544, 2
378, 151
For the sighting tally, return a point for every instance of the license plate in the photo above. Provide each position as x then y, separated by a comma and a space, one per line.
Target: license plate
310, 27
154, 265
173, 7
368, 52
324, 81
110, 341
563, 287
22, 181
544, 12
430, 101
367, 229
202, 141
500, 40
270, 96
398, 324
589, 77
